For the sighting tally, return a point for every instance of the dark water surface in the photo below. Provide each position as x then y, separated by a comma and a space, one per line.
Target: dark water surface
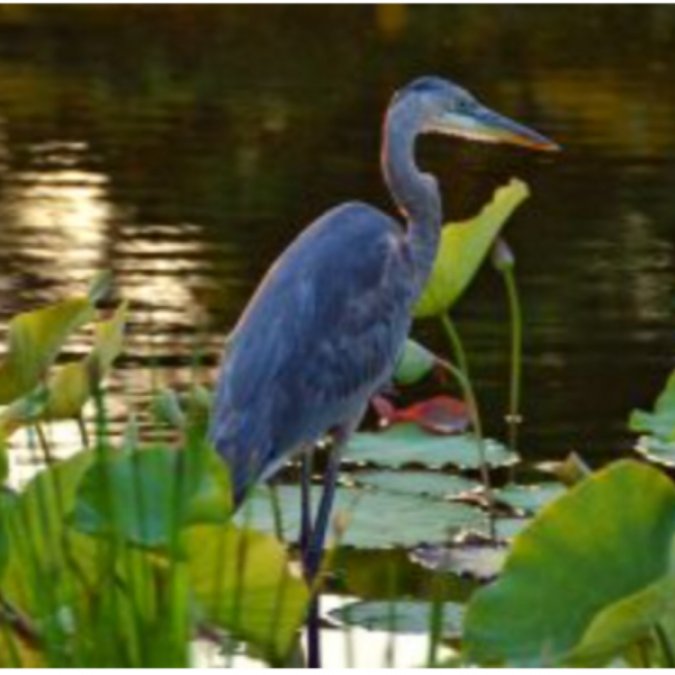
185, 147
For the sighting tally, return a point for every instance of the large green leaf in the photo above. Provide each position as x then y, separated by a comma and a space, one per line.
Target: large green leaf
144, 497
406, 444
463, 248
35, 339
70, 386
37, 547
608, 538
626, 622
73, 385
661, 422
242, 582
370, 519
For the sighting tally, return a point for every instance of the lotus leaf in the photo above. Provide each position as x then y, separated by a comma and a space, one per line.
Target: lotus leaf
425, 483
145, 497
606, 540
399, 616
370, 519
415, 362
35, 339
242, 582
661, 422
406, 444
463, 248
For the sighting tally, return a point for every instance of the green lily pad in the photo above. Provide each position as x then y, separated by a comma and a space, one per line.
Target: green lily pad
481, 560
661, 422
604, 541
424, 483
145, 496
415, 362
657, 450
369, 519
529, 498
463, 248
399, 616
509, 528
407, 444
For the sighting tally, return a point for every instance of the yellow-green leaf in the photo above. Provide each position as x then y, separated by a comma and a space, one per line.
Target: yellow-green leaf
588, 568
242, 582
70, 386
463, 248
35, 339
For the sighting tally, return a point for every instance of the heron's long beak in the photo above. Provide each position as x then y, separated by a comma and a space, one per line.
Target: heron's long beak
485, 125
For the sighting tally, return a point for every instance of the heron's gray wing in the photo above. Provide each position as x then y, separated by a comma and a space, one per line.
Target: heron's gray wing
320, 334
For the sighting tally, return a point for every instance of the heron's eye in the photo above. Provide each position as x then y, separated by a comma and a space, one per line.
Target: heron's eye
463, 106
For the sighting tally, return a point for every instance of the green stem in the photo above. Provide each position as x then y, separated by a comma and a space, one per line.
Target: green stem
436, 620
461, 374
514, 418
457, 345
277, 517
666, 646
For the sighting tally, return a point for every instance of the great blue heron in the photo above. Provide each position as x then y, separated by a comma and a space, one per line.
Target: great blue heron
325, 328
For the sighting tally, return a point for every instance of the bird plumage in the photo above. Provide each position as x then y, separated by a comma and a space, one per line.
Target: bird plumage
319, 337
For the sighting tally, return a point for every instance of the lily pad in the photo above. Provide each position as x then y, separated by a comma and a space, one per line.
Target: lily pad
463, 248
606, 540
399, 616
478, 559
407, 444
661, 422
529, 498
425, 483
657, 450
369, 519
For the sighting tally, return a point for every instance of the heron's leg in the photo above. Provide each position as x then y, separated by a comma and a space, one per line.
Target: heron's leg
313, 555
318, 535
305, 503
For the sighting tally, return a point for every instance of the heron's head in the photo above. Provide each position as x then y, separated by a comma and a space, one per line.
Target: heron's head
444, 107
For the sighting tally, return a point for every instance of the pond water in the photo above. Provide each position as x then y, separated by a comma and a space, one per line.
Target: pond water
183, 148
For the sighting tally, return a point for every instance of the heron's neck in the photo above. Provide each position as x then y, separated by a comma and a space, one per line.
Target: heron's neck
415, 193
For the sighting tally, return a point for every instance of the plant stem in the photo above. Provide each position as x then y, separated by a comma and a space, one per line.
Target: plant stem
276, 512
461, 374
514, 418
457, 345
666, 646
20, 624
